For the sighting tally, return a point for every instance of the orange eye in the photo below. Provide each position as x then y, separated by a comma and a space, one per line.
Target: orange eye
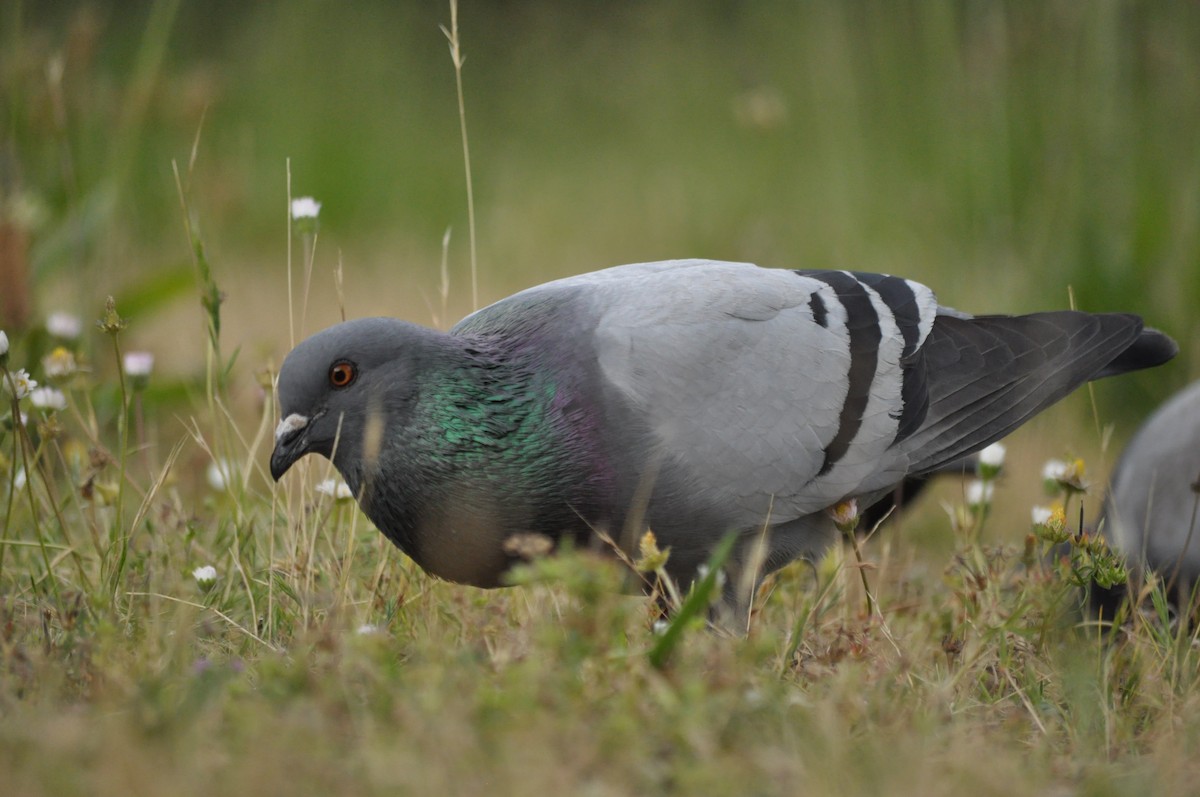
342, 374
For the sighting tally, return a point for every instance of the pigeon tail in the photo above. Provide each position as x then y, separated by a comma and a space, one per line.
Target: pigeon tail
990, 374
1150, 349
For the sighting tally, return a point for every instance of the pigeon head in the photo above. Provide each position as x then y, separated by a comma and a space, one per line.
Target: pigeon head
339, 388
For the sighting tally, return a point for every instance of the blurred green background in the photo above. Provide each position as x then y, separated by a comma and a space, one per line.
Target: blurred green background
1001, 152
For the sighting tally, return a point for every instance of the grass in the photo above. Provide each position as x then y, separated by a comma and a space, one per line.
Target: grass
321, 659
999, 152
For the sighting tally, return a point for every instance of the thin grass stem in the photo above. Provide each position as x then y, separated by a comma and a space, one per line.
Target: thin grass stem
457, 56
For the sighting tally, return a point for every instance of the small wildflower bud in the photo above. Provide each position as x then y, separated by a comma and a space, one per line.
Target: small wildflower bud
1074, 479
49, 427
64, 326
138, 365
1050, 523
112, 323
305, 207
978, 494
991, 460
335, 489
1052, 471
844, 515
3, 347
305, 210
650, 557
206, 577
59, 364
19, 384
220, 474
1030, 550
1109, 569
48, 398
1059, 476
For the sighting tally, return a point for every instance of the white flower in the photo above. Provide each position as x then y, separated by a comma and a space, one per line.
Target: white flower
138, 363
1058, 476
1041, 515
19, 384
993, 455
64, 325
366, 629
660, 627
220, 474
1053, 470
205, 576
305, 207
59, 363
19, 480
336, 489
48, 398
979, 492
3, 343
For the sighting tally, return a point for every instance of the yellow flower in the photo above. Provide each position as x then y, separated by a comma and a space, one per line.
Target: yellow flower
1050, 523
59, 364
650, 557
1058, 475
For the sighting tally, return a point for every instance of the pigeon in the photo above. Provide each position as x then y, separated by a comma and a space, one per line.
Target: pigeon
691, 398
1151, 514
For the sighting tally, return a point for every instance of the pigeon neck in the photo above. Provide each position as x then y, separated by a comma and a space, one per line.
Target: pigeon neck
505, 444
489, 411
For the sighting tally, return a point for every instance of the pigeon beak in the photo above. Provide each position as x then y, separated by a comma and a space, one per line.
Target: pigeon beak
290, 444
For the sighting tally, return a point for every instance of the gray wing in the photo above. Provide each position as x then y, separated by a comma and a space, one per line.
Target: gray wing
772, 391
784, 392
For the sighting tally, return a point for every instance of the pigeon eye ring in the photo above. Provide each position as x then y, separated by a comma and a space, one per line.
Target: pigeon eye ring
342, 373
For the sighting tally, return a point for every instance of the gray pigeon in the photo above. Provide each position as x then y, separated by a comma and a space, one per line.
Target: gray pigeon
1152, 511
691, 397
